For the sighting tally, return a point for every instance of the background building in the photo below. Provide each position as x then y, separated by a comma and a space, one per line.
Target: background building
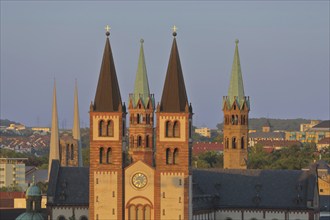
12, 172
205, 132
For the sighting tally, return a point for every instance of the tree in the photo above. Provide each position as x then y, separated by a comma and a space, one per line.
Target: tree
209, 159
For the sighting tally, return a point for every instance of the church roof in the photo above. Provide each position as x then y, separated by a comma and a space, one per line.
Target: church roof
141, 86
68, 185
249, 189
236, 88
174, 97
107, 97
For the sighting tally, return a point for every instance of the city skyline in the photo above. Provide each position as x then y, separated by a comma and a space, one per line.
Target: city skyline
284, 51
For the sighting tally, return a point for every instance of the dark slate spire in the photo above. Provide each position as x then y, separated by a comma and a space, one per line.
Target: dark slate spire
107, 97
174, 98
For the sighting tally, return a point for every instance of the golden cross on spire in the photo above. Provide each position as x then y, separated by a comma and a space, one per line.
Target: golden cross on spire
174, 28
107, 28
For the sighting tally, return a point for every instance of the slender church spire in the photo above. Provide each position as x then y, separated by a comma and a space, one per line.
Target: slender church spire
236, 88
76, 125
107, 97
141, 86
54, 147
174, 97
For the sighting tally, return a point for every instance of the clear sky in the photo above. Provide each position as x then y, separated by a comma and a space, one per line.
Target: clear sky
284, 52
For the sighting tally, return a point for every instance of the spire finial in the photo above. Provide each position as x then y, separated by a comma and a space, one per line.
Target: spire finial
141, 41
236, 41
174, 29
107, 29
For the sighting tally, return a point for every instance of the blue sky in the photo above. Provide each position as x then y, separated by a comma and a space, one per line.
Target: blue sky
284, 52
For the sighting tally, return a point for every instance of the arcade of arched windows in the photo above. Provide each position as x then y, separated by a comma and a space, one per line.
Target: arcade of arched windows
172, 129
235, 120
141, 119
172, 156
139, 141
139, 212
105, 155
106, 128
234, 143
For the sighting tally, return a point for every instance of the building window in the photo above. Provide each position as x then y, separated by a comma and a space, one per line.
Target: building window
227, 143
97, 180
163, 194
175, 156
109, 152
132, 142
147, 141
61, 217
179, 199
101, 124
139, 143
163, 211
72, 152
113, 211
101, 155
97, 199
113, 194
180, 182
97, 216
242, 143
83, 218
176, 129
148, 118
168, 129
233, 143
109, 129
168, 156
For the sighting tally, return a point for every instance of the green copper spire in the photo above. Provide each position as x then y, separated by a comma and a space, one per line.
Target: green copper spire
141, 86
236, 88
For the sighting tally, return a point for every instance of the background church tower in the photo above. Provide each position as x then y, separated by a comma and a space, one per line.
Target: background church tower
236, 107
141, 109
173, 145
107, 130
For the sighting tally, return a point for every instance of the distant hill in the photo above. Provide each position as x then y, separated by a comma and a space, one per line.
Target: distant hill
277, 124
6, 122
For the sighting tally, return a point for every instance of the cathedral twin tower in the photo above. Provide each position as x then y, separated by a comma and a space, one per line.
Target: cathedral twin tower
149, 175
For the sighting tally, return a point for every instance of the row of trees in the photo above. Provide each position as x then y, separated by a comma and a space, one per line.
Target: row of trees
291, 158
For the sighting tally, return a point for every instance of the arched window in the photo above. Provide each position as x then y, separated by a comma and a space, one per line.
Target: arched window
109, 152
61, 217
242, 143
139, 212
67, 154
132, 213
236, 120
132, 141
227, 143
176, 129
148, 118
101, 124
168, 129
139, 143
147, 212
168, 156
147, 141
101, 155
232, 119
175, 156
109, 128
233, 143
83, 218
72, 152
138, 118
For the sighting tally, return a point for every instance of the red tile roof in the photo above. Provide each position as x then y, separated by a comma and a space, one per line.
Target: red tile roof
201, 147
324, 141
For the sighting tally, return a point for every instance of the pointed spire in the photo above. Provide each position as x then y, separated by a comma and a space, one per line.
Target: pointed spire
141, 86
76, 125
236, 88
107, 97
54, 148
174, 97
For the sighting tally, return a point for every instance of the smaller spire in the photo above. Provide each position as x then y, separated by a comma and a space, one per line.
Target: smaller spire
33, 180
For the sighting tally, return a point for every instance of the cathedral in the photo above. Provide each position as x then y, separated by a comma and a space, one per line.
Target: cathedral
144, 171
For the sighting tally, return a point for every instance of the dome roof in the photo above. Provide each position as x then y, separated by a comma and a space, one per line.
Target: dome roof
33, 190
30, 216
